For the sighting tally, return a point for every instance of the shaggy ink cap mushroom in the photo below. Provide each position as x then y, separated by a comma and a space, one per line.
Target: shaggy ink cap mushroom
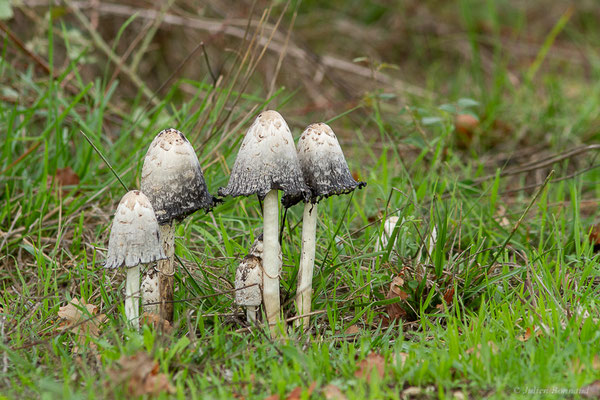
266, 161
249, 277
172, 178
134, 237
323, 165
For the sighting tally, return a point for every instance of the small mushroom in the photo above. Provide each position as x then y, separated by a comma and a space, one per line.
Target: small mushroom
326, 174
150, 291
173, 181
249, 280
267, 162
134, 240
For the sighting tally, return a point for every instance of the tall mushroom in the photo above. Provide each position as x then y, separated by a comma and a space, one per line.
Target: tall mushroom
173, 181
267, 162
326, 174
134, 240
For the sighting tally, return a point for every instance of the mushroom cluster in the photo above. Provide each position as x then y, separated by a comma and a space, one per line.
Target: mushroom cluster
173, 187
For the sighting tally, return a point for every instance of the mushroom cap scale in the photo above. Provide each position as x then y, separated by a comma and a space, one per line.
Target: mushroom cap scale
323, 165
266, 160
172, 178
134, 237
250, 272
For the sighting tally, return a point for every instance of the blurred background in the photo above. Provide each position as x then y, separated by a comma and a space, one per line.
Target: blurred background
331, 57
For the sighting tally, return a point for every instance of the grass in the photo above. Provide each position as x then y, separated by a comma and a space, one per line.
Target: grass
505, 304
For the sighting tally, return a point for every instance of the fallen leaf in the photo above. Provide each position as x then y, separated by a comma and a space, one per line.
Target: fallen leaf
449, 295
591, 391
529, 333
373, 362
332, 392
594, 237
157, 322
81, 322
394, 310
500, 217
140, 375
458, 395
352, 330
296, 394
63, 177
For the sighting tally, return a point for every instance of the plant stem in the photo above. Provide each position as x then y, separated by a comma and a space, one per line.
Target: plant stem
166, 271
307, 263
132, 299
271, 260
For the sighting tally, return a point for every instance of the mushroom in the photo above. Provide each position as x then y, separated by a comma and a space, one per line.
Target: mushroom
326, 173
249, 279
173, 181
150, 292
134, 240
267, 162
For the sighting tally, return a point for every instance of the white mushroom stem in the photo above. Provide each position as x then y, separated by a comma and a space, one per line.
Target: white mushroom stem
166, 270
271, 259
251, 314
307, 263
132, 292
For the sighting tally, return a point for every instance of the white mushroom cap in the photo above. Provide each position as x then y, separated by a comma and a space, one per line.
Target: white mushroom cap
134, 235
250, 272
266, 160
323, 164
172, 178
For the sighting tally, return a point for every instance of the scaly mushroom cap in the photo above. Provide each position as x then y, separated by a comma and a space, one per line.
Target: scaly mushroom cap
323, 165
134, 237
266, 160
172, 178
250, 272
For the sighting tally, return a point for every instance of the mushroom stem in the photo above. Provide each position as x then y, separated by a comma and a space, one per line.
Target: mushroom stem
251, 314
132, 299
307, 263
271, 259
166, 271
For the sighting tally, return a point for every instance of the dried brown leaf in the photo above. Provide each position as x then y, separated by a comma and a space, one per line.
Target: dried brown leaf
374, 362
296, 394
80, 322
332, 392
140, 375
394, 310
157, 322
352, 330
591, 391
63, 177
